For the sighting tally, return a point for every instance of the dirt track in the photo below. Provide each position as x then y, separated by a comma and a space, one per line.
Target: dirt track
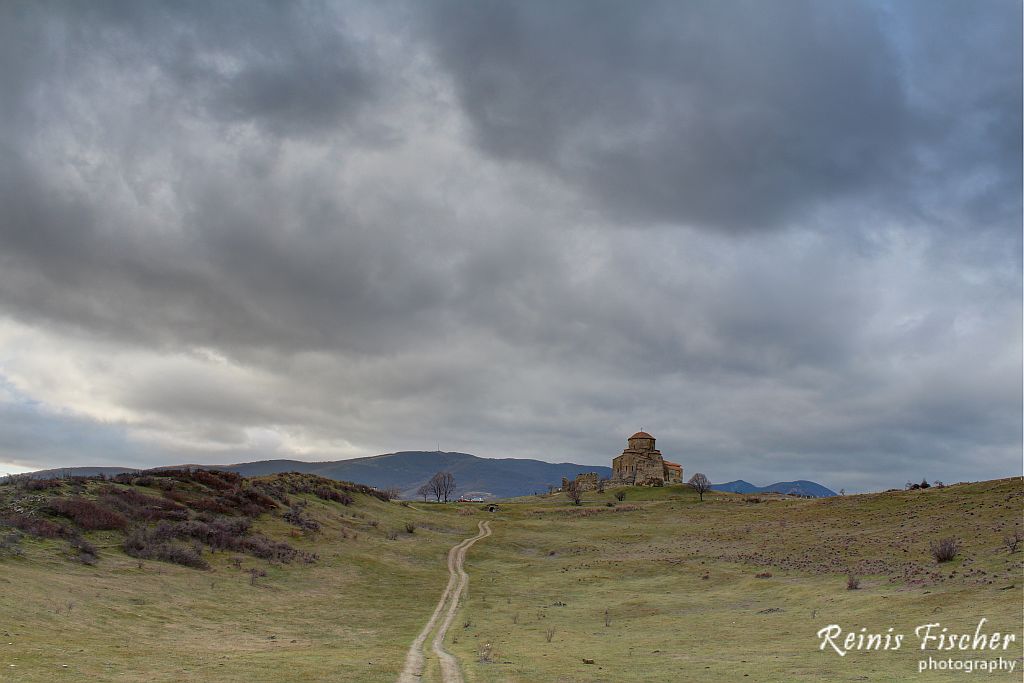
458, 579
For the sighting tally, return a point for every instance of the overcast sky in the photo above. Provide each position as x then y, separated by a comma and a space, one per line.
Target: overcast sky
784, 237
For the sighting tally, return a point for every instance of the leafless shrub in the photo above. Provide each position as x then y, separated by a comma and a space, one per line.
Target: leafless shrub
574, 492
296, 516
620, 495
256, 573
549, 634
85, 552
945, 549
852, 582
607, 617
1013, 540
144, 544
392, 535
410, 527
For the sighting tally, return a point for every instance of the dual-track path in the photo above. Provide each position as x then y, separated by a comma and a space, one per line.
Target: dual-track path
458, 579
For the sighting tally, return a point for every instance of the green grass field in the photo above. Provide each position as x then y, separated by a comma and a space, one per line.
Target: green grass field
678, 580
659, 587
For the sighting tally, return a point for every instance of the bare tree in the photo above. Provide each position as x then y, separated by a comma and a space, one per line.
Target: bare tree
423, 491
574, 492
601, 482
700, 483
441, 486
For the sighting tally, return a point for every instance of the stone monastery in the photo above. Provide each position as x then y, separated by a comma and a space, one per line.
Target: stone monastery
640, 464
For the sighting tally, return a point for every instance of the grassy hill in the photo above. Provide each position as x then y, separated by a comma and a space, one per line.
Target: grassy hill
657, 587
344, 606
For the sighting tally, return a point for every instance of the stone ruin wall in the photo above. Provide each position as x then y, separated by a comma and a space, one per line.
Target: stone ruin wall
587, 482
650, 472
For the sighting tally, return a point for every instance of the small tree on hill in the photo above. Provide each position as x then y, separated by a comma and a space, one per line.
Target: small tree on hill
423, 491
700, 483
574, 492
442, 486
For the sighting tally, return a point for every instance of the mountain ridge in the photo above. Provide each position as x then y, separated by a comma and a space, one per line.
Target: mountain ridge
800, 487
405, 470
408, 470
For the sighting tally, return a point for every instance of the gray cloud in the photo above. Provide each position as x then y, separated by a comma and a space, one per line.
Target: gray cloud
745, 115
786, 242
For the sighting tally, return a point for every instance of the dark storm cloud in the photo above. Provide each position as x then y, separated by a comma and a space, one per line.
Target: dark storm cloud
784, 237
745, 115
287, 66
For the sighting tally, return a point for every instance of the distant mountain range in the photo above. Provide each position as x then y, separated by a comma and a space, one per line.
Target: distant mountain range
801, 487
408, 470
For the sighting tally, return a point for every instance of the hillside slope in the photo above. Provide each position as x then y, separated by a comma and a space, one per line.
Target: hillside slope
310, 587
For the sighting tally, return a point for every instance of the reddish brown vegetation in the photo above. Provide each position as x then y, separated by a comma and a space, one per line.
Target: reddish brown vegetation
36, 526
87, 514
194, 510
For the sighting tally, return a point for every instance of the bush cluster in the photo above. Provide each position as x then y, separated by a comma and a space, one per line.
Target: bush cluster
35, 526
87, 514
945, 549
326, 493
85, 552
150, 544
194, 510
164, 541
135, 505
296, 516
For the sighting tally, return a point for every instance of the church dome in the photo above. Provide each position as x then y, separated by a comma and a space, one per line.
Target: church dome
641, 435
